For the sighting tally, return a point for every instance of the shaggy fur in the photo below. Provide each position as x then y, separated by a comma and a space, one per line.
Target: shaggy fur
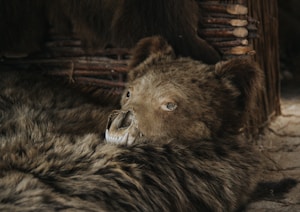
102, 23
29, 98
211, 101
52, 156
56, 173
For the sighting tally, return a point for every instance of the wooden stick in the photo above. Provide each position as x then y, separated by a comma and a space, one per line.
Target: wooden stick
239, 32
66, 51
66, 72
234, 9
99, 82
104, 68
61, 43
237, 9
78, 60
239, 50
96, 59
230, 43
95, 73
225, 21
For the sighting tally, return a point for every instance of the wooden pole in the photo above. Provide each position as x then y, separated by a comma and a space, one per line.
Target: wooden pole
250, 28
267, 56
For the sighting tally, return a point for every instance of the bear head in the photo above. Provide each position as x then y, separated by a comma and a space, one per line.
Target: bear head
169, 98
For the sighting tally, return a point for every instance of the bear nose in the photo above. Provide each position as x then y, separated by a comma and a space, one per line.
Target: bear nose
120, 127
120, 119
127, 118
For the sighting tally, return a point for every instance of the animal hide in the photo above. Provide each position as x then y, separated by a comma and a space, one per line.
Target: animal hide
53, 158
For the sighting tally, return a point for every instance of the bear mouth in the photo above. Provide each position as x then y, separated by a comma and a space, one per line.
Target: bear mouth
122, 128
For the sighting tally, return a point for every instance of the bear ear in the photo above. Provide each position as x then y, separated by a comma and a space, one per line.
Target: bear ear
246, 76
149, 50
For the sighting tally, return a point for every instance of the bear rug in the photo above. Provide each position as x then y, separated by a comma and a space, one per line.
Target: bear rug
174, 145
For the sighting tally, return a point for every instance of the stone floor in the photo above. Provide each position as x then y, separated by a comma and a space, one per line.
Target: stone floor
281, 145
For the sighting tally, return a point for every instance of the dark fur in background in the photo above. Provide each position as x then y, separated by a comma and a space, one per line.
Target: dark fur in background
99, 23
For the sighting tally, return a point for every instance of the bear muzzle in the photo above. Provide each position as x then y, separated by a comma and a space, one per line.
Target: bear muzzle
121, 128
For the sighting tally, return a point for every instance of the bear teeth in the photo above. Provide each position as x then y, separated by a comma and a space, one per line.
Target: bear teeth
116, 139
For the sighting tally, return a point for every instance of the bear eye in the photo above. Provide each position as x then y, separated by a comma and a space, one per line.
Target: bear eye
128, 94
169, 106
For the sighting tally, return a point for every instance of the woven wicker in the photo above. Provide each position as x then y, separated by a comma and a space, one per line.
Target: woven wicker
226, 26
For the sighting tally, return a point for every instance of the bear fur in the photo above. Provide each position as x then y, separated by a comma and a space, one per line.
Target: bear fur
200, 164
28, 98
103, 23
212, 101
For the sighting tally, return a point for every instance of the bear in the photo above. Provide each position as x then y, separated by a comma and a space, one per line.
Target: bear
102, 24
202, 101
180, 149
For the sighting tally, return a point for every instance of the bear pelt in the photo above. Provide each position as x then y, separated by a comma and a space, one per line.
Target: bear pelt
182, 152
30, 97
103, 23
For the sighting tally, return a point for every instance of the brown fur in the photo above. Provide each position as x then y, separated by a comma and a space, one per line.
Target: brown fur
53, 159
49, 172
101, 23
212, 101
29, 98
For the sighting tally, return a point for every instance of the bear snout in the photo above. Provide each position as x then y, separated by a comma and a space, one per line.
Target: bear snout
121, 127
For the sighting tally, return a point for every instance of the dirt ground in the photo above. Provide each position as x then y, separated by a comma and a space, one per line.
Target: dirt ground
281, 144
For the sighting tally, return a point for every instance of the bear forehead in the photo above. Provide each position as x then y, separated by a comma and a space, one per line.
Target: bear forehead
180, 66
181, 79
153, 86
180, 71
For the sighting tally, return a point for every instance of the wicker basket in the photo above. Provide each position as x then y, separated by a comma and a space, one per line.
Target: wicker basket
226, 26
